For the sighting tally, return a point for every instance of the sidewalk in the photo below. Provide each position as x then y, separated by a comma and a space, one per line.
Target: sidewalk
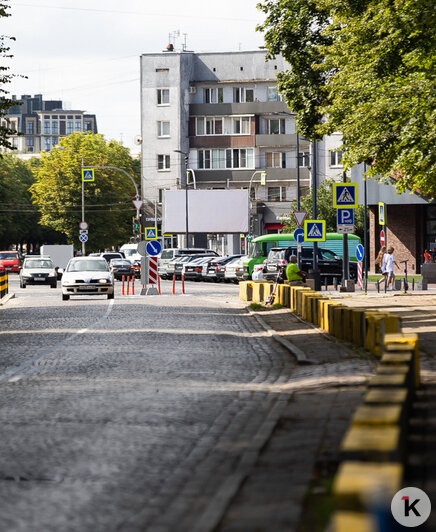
288, 489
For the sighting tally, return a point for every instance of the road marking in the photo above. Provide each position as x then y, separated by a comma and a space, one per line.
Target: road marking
23, 370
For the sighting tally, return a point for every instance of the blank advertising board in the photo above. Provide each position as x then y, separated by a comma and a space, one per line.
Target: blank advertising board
209, 211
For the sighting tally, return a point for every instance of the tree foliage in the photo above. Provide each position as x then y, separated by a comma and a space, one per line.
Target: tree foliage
57, 191
365, 68
17, 218
5, 78
325, 210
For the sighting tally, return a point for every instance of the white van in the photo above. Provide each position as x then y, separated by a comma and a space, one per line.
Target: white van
171, 253
130, 252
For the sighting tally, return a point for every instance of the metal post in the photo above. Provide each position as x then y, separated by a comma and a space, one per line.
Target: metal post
345, 259
365, 237
315, 272
298, 171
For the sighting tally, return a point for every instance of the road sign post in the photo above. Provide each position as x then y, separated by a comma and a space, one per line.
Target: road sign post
299, 238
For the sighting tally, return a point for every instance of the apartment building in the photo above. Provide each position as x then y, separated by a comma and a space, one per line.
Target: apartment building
220, 115
42, 122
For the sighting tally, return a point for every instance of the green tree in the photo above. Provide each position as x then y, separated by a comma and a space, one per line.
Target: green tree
57, 191
365, 68
5, 78
325, 210
18, 218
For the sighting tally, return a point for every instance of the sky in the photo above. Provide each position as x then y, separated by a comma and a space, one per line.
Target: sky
86, 52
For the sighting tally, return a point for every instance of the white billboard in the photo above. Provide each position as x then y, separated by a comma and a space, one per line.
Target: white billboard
209, 211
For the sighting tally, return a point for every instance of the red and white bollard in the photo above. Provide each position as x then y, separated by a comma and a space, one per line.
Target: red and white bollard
128, 284
359, 273
174, 284
133, 285
158, 284
183, 283
122, 287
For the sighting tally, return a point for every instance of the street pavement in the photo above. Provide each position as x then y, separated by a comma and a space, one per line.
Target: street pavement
166, 413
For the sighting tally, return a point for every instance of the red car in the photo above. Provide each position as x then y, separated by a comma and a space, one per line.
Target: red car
10, 261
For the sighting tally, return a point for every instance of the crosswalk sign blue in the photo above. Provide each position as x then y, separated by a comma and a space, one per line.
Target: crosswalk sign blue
87, 174
150, 233
345, 195
314, 231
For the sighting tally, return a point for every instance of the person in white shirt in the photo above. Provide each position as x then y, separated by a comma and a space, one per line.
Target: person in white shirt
389, 261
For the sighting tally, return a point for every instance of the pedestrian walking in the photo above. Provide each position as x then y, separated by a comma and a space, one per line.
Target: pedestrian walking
293, 273
381, 263
390, 263
427, 257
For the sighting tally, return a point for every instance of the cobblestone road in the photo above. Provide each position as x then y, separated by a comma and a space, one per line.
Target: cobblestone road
134, 414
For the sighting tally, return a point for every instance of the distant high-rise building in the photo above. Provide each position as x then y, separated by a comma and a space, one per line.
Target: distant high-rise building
40, 123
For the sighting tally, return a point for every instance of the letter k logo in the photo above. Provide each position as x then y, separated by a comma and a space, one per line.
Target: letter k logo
410, 507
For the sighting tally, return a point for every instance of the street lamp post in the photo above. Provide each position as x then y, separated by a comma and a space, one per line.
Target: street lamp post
83, 188
186, 158
249, 198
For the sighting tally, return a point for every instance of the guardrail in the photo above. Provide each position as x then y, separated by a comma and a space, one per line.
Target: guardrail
3, 283
373, 450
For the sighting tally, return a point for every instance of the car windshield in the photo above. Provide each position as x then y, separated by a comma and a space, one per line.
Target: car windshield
87, 266
276, 255
129, 252
327, 254
38, 264
6, 255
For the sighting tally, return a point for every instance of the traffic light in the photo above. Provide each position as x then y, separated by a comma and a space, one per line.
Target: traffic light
136, 226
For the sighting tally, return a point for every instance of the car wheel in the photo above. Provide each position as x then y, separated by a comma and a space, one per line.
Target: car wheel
65, 297
111, 296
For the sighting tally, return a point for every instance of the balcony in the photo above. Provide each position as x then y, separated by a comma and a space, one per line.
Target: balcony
228, 109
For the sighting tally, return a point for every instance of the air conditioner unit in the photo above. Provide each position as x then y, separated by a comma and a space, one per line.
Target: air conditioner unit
192, 90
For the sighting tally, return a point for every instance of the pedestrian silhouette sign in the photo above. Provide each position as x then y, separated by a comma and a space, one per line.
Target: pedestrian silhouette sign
345, 195
150, 233
87, 174
314, 231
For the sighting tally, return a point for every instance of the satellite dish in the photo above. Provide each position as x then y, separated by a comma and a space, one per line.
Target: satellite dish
138, 140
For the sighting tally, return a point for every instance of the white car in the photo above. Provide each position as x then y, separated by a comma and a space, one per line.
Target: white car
88, 276
38, 270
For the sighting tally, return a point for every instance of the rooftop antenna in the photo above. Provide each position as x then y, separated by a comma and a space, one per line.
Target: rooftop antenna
184, 45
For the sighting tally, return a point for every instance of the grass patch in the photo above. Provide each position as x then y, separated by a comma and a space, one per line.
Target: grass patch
256, 306
277, 306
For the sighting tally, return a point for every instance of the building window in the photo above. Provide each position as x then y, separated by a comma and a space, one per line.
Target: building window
213, 95
69, 127
276, 193
229, 158
241, 125
335, 158
163, 162
273, 95
55, 141
88, 126
29, 127
78, 125
46, 127
163, 96
276, 126
29, 141
303, 159
55, 127
276, 159
163, 129
47, 143
243, 95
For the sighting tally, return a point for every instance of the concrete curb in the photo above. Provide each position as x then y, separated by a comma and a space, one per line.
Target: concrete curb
293, 349
5, 299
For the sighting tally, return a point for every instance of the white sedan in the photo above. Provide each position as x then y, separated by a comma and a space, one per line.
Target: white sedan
87, 276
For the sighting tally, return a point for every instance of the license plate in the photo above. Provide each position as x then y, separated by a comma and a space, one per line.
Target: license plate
86, 289
39, 279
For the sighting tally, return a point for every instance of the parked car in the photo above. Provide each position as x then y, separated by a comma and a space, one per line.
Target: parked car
38, 270
137, 268
87, 276
193, 269
180, 264
216, 268
222, 266
329, 264
121, 267
170, 254
10, 261
234, 267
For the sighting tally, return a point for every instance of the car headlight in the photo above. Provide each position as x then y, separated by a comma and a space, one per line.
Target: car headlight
104, 281
52, 274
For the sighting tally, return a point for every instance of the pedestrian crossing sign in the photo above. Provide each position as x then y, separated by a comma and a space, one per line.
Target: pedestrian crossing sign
345, 195
150, 233
87, 174
314, 231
